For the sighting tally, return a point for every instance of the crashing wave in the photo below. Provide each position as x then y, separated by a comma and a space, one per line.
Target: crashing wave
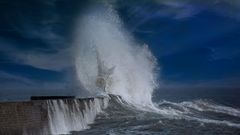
109, 60
191, 110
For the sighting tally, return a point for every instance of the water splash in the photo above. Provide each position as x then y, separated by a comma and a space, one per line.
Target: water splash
101, 33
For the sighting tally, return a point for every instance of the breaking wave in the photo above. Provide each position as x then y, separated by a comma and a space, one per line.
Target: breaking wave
103, 44
110, 61
200, 110
202, 106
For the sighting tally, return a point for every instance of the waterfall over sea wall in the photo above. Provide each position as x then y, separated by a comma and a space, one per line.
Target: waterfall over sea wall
73, 115
44, 117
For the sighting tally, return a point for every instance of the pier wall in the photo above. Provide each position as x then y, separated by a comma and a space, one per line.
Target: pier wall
34, 117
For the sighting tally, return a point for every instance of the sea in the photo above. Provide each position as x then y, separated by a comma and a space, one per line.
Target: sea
213, 111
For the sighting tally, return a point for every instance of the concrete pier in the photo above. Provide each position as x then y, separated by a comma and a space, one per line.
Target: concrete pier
32, 117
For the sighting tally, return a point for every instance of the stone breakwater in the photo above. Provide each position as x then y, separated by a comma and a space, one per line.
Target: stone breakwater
49, 116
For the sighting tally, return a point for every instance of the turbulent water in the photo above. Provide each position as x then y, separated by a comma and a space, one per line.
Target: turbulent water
101, 35
73, 115
200, 117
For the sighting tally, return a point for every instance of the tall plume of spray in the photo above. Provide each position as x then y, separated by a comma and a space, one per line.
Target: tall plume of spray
101, 32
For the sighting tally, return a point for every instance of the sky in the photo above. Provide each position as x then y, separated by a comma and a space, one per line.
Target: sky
196, 42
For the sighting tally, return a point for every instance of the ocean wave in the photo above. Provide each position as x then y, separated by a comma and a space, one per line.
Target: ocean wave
200, 105
187, 110
205, 105
193, 111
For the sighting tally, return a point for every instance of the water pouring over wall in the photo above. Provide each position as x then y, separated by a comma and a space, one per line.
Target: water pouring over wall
52, 116
73, 115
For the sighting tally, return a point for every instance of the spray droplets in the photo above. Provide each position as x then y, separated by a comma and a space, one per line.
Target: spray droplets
134, 77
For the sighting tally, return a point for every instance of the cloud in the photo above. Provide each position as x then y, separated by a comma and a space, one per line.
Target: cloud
35, 43
37, 34
181, 9
10, 78
59, 60
229, 8
18, 87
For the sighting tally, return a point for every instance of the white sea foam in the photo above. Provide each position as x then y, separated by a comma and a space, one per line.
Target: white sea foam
212, 121
187, 110
202, 105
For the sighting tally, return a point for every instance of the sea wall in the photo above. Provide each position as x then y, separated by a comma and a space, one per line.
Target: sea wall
52, 116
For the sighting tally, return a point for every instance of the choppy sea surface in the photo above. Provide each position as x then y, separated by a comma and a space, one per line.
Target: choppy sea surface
215, 112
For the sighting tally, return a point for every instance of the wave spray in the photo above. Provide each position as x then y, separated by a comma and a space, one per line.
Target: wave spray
102, 39
110, 61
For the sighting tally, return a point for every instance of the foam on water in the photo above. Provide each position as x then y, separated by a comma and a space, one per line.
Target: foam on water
187, 110
202, 105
